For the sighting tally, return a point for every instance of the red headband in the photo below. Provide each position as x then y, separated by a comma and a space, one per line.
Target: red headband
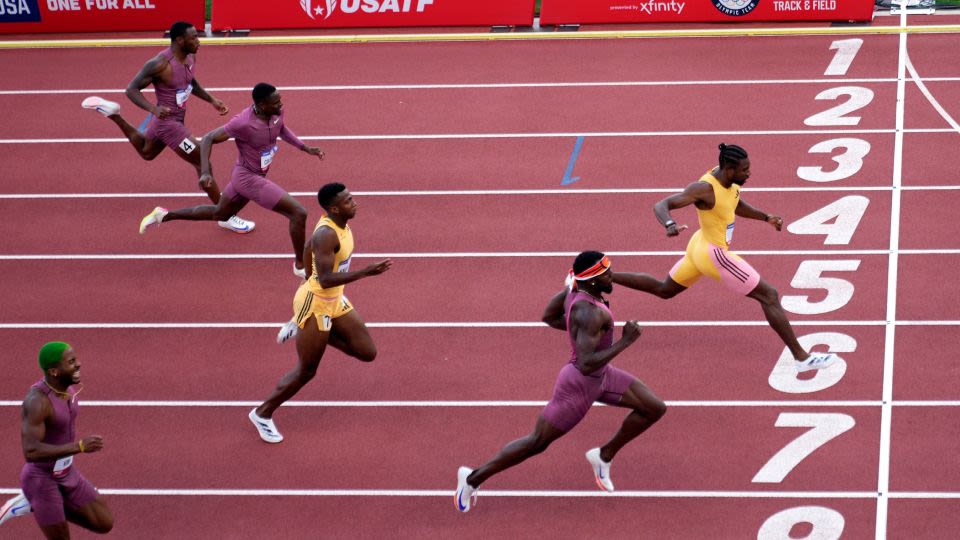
602, 266
595, 270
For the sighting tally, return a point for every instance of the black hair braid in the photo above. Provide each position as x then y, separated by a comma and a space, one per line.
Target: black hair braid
731, 154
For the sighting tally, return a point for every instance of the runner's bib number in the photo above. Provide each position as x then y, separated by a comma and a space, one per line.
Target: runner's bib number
266, 158
183, 94
344, 266
62, 467
730, 233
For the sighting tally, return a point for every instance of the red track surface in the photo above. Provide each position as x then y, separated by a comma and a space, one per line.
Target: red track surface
720, 430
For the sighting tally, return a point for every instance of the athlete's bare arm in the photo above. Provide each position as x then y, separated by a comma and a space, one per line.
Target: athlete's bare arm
151, 71
553, 315
698, 193
325, 245
588, 324
747, 211
204, 95
216, 136
36, 410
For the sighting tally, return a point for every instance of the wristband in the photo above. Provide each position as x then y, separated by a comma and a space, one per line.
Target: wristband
766, 217
80, 444
669, 223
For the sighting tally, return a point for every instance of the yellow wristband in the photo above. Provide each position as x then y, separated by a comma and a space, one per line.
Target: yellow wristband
80, 444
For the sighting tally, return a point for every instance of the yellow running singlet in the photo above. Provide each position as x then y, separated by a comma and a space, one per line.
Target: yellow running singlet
341, 259
717, 223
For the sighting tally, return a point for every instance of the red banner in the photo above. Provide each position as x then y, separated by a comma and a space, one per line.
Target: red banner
250, 14
643, 11
38, 16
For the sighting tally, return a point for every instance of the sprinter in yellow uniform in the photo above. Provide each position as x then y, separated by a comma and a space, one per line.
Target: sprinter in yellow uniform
717, 199
321, 313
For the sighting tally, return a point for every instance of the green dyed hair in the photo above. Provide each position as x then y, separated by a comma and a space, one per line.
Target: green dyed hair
51, 354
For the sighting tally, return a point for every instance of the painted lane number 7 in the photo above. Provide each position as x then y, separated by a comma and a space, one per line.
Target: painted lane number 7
825, 427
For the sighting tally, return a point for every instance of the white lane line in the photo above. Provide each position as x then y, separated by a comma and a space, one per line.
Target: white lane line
545, 135
465, 86
488, 403
450, 192
481, 324
465, 324
933, 101
449, 255
441, 404
486, 493
514, 493
479, 192
459, 86
429, 136
886, 411
443, 255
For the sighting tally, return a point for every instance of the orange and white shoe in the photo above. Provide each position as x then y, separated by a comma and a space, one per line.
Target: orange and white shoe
601, 469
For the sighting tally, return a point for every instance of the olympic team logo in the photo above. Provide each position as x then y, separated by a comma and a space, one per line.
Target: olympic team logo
313, 11
735, 8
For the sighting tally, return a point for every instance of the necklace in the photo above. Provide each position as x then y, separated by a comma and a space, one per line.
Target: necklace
65, 395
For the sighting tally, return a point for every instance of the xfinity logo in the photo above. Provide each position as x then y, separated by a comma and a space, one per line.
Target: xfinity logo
650, 7
323, 9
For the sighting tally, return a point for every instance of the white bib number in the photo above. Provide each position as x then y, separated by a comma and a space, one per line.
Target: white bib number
183, 94
187, 145
344, 266
62, 467
730, 233
266, 158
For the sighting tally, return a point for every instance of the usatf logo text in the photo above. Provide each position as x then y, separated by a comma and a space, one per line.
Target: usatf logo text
325, 8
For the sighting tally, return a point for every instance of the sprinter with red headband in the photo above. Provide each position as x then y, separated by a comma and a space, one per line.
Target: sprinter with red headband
581, 310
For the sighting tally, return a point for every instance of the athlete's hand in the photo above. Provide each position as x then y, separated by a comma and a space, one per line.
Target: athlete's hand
632, 331
93, 443
162, 111
776, 221
674, 229
205, 180
314, 151
378, 268
220, 106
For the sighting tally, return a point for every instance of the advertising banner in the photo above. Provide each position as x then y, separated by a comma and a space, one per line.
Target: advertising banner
674, 11
45, 16
253, 14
